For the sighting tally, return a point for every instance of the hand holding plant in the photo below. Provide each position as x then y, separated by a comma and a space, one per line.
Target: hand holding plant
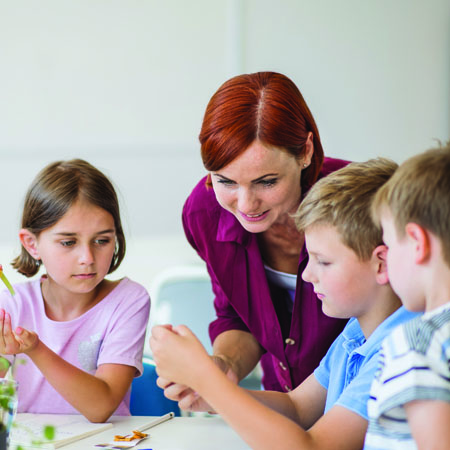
18, 341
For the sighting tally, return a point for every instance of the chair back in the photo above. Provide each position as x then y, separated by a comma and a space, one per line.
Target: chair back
147, 399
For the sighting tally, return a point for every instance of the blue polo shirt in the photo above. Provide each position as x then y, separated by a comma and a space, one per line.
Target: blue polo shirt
348, 368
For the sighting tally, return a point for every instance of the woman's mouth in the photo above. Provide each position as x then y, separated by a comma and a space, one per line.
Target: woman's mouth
254, 217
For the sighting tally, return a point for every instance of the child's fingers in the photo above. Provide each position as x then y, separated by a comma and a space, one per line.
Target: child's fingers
163, 383
2, 338
8, 336
26, 339
183, 330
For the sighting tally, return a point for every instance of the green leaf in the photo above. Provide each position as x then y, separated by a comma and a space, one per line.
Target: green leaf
49, 432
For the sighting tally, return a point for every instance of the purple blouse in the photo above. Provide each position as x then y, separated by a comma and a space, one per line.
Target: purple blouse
294, 345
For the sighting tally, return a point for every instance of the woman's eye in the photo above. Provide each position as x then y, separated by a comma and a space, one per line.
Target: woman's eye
226, 182
269, 182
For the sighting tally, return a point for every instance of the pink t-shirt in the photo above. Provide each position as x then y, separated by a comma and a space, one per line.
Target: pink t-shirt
111, 332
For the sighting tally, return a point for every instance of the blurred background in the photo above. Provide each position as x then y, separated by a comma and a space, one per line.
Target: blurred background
124, 84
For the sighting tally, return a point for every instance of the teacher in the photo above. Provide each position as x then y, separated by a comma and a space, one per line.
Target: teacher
261, 147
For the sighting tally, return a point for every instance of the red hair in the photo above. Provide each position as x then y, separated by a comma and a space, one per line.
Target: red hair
264, 106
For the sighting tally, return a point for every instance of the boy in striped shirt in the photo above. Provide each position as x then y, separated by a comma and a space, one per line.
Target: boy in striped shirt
409, 406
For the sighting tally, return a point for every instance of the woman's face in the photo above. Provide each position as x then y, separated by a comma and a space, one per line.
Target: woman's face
260, 186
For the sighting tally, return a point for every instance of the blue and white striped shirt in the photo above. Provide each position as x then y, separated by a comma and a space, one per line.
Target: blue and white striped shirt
413, 365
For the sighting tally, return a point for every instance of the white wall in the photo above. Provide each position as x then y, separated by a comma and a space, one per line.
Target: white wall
124, 84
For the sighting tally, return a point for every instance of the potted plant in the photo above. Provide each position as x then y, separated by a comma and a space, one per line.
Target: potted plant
8, 404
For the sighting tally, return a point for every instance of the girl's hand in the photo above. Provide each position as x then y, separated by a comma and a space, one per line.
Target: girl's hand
18, 341
179, 355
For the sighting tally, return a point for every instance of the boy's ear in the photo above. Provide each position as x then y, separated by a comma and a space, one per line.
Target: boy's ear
420, 240
379, 256
29, 242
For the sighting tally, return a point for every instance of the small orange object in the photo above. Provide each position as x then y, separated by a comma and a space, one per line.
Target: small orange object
136, 435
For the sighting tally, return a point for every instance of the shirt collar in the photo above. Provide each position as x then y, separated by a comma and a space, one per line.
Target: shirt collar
230, 230
355, 340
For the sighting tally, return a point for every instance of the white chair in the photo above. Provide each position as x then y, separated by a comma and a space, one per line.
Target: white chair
183, 295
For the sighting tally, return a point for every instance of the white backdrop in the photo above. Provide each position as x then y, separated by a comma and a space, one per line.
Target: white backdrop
124, 84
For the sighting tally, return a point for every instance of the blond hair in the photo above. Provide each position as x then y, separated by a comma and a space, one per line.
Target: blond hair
419, 192
343, 199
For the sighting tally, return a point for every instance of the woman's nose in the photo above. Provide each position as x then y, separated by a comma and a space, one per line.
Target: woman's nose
247, 202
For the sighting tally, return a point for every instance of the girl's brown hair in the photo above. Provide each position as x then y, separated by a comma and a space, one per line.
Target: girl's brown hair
54, 190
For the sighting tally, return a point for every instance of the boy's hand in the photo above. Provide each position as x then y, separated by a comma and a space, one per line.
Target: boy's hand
189, 400
178, 354
18, 341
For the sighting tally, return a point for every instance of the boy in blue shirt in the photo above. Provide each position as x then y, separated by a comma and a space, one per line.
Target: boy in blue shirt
347, 267
409, 406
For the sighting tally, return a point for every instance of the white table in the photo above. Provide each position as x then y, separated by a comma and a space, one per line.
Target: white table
179, 433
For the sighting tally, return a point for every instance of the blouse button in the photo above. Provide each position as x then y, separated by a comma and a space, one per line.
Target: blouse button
287, 388
289, 341
282, 365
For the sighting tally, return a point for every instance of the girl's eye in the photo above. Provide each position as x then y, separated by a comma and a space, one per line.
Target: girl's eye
102, 241
67, 243
269, 182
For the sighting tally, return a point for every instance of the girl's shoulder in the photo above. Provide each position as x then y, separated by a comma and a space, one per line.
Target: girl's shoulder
30, 289
127, 285
127, 290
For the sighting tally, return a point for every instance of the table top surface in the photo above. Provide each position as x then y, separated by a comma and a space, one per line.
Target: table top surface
179, 433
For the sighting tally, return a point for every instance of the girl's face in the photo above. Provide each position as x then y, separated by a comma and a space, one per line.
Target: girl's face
260, 186
77, 251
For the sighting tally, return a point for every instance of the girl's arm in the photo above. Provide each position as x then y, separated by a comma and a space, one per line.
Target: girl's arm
95, 396
429, 422
182, 358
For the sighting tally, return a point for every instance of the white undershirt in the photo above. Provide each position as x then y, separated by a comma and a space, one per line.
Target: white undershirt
283, 280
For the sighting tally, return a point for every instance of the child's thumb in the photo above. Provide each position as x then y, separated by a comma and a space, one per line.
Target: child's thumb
182, 330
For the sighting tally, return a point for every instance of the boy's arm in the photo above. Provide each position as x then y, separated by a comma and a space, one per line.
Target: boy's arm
264, 428
182, 359
429, 422
304, 405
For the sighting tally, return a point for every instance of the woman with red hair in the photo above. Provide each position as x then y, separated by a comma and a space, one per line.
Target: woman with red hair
262, 149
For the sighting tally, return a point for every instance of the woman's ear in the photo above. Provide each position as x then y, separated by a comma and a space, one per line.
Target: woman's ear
379, 256
309, 149
29, 242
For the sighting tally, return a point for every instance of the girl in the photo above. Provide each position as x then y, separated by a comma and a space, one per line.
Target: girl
81, 335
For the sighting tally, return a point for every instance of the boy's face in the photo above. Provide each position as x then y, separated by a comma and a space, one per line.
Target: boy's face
343, 282
400, 264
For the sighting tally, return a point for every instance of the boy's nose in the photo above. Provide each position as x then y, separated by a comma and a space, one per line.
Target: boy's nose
307, 274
